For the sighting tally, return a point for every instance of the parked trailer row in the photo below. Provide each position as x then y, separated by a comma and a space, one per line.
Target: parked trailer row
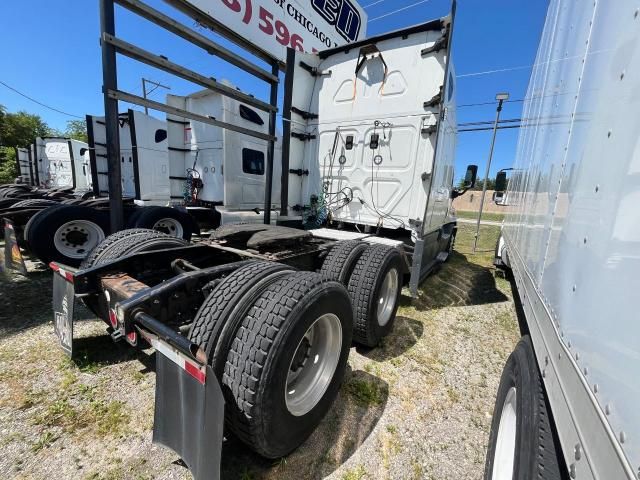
253, 326
208, 175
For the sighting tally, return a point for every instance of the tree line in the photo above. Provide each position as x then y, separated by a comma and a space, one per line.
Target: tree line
19, 129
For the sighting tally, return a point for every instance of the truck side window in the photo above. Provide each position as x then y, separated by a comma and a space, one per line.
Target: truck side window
161, 135
252, 161
251, 115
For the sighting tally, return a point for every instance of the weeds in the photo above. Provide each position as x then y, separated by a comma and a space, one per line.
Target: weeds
365, 393
45, 441
357, 473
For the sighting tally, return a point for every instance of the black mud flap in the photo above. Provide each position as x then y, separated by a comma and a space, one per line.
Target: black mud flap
189, 415
63, 307
12, 256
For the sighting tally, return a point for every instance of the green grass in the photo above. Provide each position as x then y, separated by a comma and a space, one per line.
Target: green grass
45, 440
486, 243
364, 392
357, 473
489, 216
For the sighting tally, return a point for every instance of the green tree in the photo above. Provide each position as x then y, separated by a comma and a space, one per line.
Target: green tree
77, 129
17, 130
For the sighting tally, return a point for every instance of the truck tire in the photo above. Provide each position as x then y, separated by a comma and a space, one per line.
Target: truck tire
278, 396
522, 443
166, 220
67, 233
14, 191
341, 261
220, 316
35, 203
127, 242
35, 219
374, 287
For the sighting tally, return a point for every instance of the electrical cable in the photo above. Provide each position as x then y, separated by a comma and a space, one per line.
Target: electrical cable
40, 103
381, 215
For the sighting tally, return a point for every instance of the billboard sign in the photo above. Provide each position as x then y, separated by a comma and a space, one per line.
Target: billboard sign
305, 25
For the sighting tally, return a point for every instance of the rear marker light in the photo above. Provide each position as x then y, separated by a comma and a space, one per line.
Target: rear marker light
132, 338
113, 319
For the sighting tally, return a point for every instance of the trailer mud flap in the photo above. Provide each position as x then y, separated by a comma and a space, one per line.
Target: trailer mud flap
189, 413
63, 307
12, 256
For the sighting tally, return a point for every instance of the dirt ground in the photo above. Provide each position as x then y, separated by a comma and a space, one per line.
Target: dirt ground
418, 407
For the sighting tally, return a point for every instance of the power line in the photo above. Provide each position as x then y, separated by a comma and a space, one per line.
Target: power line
489, 103
524, 67
398, 10
499, 70
373, 3
488, 128
490, 122
40, 103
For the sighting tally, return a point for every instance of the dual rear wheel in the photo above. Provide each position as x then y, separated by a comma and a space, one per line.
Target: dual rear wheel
373, 277
278, 341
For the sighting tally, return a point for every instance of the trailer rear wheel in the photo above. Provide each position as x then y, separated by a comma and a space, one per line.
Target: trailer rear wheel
375, 286
220, 316
166, 220
67, 234
127, 242
522, 443
341, 260
287, 362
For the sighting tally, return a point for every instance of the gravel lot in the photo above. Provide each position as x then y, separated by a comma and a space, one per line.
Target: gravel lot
419, 407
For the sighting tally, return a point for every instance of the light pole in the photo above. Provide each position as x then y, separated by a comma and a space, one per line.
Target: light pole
500, 97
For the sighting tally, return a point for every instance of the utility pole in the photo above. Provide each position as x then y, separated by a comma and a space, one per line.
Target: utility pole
145, 93
500, 97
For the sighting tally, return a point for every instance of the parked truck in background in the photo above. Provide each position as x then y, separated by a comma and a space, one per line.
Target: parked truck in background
567, 405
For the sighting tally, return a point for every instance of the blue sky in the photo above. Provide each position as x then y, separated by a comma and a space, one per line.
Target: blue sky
50, 51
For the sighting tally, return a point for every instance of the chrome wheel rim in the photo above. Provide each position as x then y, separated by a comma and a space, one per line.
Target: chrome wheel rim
75, 239
503, 458
388, 296
313, 365
170, 226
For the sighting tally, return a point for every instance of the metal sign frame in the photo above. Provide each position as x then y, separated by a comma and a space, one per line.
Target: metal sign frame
112, 46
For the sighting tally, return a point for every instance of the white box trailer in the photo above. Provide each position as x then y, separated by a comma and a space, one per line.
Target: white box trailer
229, 166
571, 238
60, 162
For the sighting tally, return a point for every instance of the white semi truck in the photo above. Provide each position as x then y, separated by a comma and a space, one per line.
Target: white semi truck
253, 326
567, 405
60, 163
